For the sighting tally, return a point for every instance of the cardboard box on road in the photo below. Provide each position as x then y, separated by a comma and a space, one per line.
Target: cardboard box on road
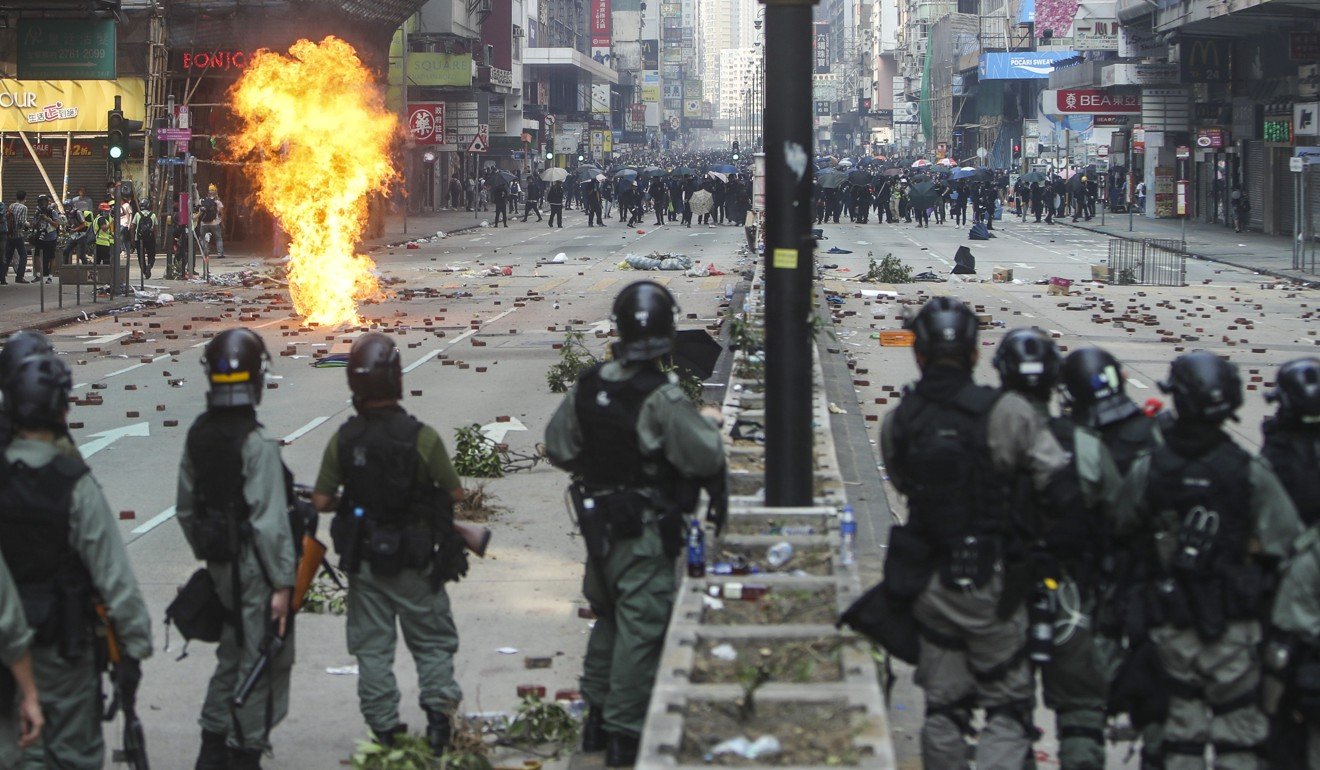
1002, 274
1100, 273
1059, 287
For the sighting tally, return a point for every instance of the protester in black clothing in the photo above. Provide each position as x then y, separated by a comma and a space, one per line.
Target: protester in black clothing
555, 197
592, 203
500, 194
659, 200
535, 188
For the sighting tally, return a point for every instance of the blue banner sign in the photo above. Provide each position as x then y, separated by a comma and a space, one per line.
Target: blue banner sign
1024, 65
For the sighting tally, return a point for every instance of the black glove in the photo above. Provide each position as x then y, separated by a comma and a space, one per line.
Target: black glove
128, 675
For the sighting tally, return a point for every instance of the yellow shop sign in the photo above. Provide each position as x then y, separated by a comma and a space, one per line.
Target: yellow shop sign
57, 106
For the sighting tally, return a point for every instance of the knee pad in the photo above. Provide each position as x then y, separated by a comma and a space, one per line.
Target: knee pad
1020, 711
959, 712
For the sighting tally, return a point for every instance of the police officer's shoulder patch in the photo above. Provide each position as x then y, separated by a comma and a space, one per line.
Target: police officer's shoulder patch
673, 393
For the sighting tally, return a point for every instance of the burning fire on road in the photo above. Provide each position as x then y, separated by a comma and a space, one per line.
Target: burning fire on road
316, 131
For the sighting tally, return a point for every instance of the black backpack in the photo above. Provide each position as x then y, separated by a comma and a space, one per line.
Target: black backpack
146, 227
210, 209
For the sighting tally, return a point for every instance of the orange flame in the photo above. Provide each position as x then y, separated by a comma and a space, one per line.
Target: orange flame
316, 130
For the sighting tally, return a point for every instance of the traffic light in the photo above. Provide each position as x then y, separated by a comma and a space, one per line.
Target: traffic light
117, 146
549, 149
735, 150
120, 129
1017, 150
582, 152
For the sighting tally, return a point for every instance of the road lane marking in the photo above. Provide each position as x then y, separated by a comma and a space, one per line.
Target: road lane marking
454, 341
104, 339
304, 430
107, 437
1136, 383
154, 521
138, 365
422, 360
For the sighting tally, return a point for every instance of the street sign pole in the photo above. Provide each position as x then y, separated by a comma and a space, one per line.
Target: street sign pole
789, 253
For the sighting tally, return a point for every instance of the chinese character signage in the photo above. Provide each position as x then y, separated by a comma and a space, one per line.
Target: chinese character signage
821, 53
426, 122
601, 25
59, 49
1304, 46
1087, 101
67, 105
1095, 34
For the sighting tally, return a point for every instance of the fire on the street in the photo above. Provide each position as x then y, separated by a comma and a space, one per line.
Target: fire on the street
317, 133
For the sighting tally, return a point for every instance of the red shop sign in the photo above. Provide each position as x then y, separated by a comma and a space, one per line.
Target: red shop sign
1088, 101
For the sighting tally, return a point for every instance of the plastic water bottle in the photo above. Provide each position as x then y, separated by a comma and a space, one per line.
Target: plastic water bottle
779, 554
847, 536
696, 550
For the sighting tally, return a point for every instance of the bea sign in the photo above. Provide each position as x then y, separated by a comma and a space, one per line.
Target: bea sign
1084, 101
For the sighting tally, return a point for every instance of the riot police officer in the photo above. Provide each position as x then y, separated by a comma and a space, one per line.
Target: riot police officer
61, 543
1217, 520
1093, 389
233, 506
1292, 661
1292, 435
1066, 559
394, 531
960, 452
627, 433
20, 345
20, 709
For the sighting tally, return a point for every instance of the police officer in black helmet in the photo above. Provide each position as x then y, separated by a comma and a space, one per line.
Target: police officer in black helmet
1066, 557
62, 545
19, 346
1093, 391
629, 435
1218, 522
1292, 435
960, 453
394, 532
233, 505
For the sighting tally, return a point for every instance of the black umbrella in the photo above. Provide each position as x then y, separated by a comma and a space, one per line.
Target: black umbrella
696, 352
682, 171
501, 179
830, 178
923, 194
859, 176
1032, 176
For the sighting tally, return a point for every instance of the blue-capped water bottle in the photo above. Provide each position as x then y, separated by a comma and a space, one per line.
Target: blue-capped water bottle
696, 550
847, 536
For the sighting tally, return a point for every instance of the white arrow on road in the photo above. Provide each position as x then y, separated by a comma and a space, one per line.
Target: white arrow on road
496, 431
107, 437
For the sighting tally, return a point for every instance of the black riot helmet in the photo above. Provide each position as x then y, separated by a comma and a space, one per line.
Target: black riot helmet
375, 370
1205, 387
1028, 362
1297, 391
1092, 385
37, 392
944, 329
644, 315
235, 363
19, 346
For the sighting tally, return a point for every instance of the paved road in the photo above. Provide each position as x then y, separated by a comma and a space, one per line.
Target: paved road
485, 357
1266, 321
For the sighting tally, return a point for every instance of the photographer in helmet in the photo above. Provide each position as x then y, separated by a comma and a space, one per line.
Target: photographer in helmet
626, 432
233, 506
394, 532
964, 455
1218, 522
62, 546
1067, 557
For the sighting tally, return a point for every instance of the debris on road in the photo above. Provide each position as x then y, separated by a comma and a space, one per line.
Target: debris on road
656, 261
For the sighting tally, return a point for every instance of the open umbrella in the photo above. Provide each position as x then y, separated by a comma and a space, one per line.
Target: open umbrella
651, 171
859, 176
702, 202
923, 194
920, 163
962, 173
892, 172
1031, 177
845, 162
696, 352
554, 175
587, 172
601, 178
717, 175
724, 169
626, 173
946, 162
501, 179
682, 171
831, 178
868, 162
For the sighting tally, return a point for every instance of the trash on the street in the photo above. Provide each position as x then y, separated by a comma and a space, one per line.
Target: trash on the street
507, 651
656, 261
1059, 286
342, 670
766, 745
724, 651
1000, 274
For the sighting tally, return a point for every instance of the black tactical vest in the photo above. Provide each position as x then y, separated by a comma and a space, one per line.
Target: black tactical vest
607, 413
378, 462
215, 450
1204, 502
35, 506
1074, 532
1294, 453
943, 465
1128, 438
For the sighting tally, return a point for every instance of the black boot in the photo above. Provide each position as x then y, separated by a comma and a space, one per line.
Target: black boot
593, 731
438, 731
244, 759
386, 737
213, 755
621, 751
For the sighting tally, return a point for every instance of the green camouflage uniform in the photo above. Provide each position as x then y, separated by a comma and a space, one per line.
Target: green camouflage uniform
1226, 671
1297, 613
637, 580
266, 564
379, 606
68, 688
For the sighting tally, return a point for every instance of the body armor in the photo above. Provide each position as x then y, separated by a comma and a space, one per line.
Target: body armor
1294, 452
1130, 436
608, 412
215, 449
55, 587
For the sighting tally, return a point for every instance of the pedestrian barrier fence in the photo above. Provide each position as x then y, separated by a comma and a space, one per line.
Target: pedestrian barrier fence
1147, 262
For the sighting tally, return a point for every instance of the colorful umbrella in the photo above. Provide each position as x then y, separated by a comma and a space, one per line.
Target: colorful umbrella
920, 163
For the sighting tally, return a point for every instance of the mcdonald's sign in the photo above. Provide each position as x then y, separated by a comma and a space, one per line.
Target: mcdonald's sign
1205, 59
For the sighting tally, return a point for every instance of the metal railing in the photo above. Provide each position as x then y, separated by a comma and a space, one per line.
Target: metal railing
1147, 262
